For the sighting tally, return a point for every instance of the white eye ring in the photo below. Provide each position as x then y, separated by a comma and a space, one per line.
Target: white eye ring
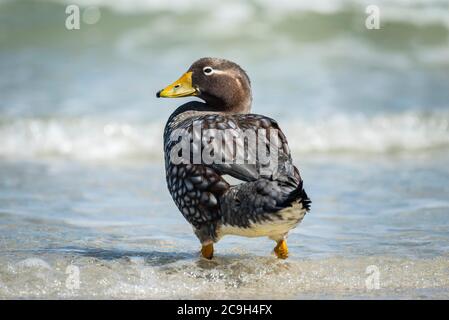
208, 71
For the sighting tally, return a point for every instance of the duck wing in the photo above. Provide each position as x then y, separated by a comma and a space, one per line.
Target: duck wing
269, 187
253, 147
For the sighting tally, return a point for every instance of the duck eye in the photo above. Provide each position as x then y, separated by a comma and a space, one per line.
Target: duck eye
208, 71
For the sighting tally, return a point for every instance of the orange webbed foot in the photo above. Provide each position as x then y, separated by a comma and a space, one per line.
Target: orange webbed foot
207, 251
281, 249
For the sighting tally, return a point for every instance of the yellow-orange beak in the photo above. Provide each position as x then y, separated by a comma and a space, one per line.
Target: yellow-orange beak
180, 88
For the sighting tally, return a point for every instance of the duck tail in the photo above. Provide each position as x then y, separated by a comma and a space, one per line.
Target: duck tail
299, 195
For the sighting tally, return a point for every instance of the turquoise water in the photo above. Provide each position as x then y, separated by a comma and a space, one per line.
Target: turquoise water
81, 168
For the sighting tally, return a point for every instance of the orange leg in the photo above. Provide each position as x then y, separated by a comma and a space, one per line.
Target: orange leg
207, 251
281, 249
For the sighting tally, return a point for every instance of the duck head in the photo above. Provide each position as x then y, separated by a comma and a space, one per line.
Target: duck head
222, 84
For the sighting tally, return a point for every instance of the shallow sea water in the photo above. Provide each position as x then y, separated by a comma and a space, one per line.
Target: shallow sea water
118, 227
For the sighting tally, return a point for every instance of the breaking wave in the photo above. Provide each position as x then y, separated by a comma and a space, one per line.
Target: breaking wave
416, 11
95, 139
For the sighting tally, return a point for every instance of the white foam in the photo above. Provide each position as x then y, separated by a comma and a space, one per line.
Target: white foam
407, 131
78, 139
89, 139
413, 12
34, 263
172, 276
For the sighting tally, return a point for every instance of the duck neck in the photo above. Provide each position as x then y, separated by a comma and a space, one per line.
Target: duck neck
232, 104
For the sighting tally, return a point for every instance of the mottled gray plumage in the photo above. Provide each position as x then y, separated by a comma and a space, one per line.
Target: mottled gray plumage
207, 201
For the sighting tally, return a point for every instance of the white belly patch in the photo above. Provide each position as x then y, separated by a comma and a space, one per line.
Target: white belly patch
275, 229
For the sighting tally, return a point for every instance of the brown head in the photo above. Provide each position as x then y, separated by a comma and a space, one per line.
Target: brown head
222, 84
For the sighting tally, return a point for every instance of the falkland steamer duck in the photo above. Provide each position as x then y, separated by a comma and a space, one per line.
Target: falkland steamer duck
269, 201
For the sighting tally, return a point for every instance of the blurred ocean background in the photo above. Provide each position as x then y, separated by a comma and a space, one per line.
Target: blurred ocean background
82, 181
